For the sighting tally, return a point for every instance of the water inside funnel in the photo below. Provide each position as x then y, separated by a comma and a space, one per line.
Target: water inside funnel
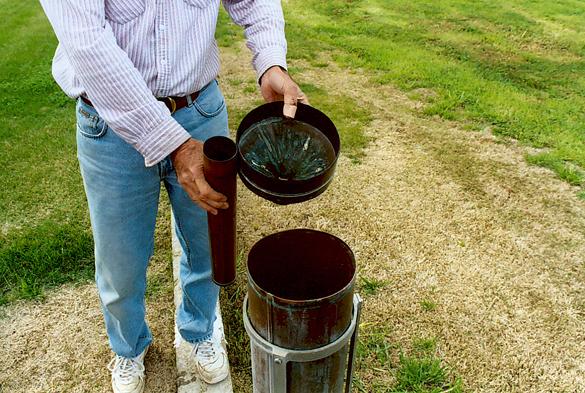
286, 149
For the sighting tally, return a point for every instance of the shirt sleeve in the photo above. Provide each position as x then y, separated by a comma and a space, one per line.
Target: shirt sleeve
263, 23
112, 83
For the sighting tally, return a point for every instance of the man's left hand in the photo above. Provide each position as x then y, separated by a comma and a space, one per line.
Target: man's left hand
277, 85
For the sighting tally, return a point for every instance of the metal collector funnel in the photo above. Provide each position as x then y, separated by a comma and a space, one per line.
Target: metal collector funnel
287, 160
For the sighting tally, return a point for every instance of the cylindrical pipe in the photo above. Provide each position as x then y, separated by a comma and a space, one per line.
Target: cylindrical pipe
300, 297
220, 169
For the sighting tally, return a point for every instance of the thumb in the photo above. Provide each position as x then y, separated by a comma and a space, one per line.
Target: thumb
291, 96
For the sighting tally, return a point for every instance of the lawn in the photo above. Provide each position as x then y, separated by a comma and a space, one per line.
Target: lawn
511, 70
44, 233
514, 68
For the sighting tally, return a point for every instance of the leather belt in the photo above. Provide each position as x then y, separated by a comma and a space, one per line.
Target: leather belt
173, 103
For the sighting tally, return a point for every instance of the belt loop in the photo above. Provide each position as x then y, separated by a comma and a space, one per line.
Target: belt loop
189, 100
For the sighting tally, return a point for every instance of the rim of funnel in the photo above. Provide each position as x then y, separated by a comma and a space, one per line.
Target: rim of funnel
303, 302
290, 195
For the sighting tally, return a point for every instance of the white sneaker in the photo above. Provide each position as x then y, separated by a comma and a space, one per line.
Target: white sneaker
211, 363
128, 373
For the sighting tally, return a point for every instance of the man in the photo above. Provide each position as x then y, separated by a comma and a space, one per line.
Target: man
144, 76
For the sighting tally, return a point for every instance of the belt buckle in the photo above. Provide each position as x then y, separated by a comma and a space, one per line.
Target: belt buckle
172, 103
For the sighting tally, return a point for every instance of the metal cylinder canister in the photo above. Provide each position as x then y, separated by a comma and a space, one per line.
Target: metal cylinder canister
300, 312
220, 169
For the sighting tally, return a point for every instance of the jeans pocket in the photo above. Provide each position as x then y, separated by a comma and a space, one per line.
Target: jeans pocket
124, 11
89, 123
210, 102
199, 3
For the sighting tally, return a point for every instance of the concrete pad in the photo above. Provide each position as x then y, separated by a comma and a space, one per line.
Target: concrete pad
187, 381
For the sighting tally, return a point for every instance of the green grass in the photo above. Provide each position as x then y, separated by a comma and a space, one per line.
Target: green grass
227, 33
423, 374
37, 135
515, 67
422, 371
419, 371
428, 305
570, 173
374, 345
370, 286
424, 345
349, 118
45, 238
45, 256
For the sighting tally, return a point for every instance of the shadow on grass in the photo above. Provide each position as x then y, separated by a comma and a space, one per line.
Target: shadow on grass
47, 255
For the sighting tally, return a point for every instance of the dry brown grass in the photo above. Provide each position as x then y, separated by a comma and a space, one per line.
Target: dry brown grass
443, 215
456, 218
59, 344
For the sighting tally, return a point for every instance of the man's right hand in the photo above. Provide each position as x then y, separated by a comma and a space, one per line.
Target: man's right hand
188, 162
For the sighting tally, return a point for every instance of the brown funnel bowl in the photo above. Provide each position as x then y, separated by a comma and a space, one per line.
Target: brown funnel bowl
220, 168
286, 191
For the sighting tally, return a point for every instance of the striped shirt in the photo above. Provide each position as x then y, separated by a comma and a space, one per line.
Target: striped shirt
122, 54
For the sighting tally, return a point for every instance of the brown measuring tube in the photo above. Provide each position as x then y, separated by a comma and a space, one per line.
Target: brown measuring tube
220, 168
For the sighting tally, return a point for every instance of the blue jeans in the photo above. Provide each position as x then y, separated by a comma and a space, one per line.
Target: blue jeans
123, 198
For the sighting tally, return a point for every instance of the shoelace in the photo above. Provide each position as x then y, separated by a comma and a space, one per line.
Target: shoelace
125, 369
205, 351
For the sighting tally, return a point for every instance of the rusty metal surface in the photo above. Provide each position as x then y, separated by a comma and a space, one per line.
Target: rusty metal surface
220, 168
300, 296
